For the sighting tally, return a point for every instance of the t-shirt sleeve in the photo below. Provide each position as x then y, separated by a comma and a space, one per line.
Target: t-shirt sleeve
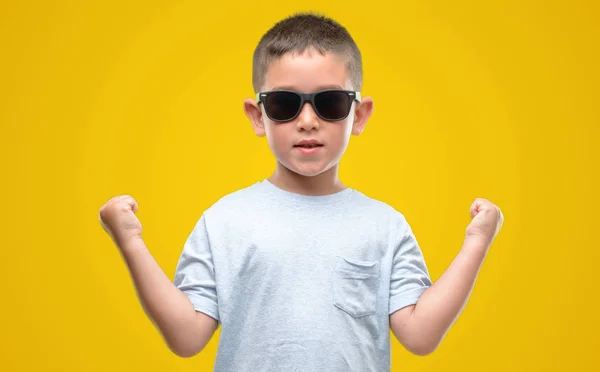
409, 275
195, 272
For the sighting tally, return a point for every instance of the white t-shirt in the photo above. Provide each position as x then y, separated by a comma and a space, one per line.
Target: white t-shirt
301, 283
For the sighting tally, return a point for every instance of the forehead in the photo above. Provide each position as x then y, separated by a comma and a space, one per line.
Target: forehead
307, 71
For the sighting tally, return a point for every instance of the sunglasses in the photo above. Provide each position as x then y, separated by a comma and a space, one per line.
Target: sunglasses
285, 105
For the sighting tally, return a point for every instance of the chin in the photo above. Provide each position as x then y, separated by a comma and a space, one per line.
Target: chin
308, 170
307, 173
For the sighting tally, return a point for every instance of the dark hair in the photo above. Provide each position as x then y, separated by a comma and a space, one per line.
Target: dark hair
299, 32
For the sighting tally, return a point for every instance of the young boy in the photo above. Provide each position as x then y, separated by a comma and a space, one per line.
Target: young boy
301, 272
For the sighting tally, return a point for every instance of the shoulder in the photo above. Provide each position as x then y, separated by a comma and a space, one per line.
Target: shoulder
381, 211
234, 210
378, 206
230, 210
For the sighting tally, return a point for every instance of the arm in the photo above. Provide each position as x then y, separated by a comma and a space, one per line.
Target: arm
422, 327
185, 331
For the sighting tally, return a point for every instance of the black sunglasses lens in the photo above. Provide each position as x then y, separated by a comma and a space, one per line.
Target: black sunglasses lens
282, 105
333, 105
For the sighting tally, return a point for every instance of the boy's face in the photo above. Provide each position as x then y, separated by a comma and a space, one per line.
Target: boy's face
307, 73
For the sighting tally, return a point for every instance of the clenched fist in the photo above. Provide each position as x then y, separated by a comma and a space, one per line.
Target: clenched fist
118, 219
487, 219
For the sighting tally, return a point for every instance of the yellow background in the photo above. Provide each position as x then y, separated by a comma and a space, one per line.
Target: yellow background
145, 97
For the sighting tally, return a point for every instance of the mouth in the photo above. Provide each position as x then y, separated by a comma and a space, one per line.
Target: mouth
308, 144
311, 147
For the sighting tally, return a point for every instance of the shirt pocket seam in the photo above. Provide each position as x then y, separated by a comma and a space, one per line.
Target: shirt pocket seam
356, 286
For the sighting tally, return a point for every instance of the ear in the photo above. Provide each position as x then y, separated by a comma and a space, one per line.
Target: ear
254, 113
362, 112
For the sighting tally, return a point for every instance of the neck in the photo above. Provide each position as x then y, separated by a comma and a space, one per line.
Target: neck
322, 184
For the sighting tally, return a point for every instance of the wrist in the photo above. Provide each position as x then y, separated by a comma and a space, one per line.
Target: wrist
477, 244
131, 244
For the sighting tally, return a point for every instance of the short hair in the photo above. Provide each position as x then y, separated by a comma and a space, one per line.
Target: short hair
299, 32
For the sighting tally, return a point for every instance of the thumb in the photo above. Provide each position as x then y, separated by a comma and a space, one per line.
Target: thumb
131, 203
475, 208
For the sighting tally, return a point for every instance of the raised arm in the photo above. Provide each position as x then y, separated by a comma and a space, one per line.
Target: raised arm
185, 331
422, 327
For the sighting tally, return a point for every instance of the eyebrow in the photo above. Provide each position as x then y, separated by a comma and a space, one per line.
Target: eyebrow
320, 87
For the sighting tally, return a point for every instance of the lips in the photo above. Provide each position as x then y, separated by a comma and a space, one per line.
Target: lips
308, 144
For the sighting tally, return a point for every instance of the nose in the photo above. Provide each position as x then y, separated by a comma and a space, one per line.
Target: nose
308, 119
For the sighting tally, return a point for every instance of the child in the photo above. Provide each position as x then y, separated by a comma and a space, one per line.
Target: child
301, 272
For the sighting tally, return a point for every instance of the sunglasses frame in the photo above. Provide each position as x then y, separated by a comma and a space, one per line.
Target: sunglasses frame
308, 97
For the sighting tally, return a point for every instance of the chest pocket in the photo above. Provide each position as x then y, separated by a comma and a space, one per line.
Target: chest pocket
355, 286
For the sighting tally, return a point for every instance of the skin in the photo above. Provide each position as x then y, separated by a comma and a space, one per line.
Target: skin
420, 328
308, 72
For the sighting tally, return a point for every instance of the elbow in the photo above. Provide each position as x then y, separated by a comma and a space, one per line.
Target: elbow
184, 348
183, 354
423, 347
188, 343
422, 342
183, 351
422, 350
